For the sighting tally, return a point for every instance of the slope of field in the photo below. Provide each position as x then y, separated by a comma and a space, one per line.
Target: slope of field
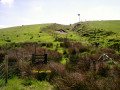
110, 25
40, 32
28, 33
86, 57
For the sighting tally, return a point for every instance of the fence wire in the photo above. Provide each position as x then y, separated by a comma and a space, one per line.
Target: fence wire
11, 69
2, 75
11, 72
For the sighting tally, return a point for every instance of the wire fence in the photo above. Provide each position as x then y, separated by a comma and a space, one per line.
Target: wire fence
2, 75
11, 69
7, 71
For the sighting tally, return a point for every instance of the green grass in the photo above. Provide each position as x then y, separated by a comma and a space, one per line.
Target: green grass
18, 84
30, 33
63, 61
110, 25
24, 33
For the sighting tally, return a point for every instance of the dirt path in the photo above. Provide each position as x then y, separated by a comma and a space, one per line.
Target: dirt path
61, 32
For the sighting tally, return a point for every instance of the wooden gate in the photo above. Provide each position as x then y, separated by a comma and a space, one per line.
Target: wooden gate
39, 59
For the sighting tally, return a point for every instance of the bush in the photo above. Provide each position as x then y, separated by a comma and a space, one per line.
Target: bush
65, 44
8, 40
49, 45
54, 56
71, 81
43, 44
27, 82
74, 59
64, 52
108, 51
12, 59
31, 37
40, 32
15, 71
104, 71
2, 56
116, 71
72, 51
61, 45
41, 76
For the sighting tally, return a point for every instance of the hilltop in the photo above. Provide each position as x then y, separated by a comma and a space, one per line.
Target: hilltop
82, 31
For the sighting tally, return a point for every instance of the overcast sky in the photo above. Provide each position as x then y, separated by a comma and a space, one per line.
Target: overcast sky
24, 12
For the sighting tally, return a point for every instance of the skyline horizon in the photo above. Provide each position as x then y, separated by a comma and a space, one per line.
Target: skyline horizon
28, 12
53, 23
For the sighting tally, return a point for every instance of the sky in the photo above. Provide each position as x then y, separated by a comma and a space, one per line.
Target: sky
25, 12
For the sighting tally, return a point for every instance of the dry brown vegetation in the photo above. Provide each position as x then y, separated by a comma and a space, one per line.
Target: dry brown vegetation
83, 71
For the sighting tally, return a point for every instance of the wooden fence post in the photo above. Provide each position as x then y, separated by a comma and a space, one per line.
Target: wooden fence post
94, 65
66, 62
6, 69
33, 58
45, 58
35, 49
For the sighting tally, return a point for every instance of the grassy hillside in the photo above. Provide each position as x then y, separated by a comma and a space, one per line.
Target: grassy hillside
73, 55
36, 33
110, 25
29, 33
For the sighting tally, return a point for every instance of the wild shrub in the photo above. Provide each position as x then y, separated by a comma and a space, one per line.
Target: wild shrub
49, 45
83, 49
108, 51
70, 81
40, 32
31, 37
80, 47
54, 56
72, 51
12, 59
116, 71
61, 45
25, 68
8, 40
57, 70
64, 52
104, 71
65, 44
83, 65
93, 57
42, 44
27, 82
74, 59
17, 35
115, 46
41, 76
108, 33
2, 56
